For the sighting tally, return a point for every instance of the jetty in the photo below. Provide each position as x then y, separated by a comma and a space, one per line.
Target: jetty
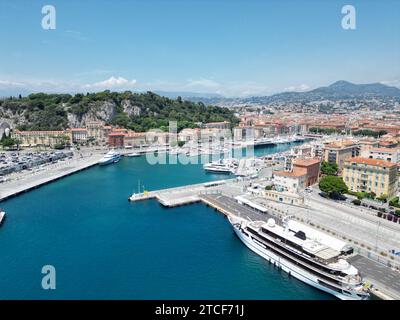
173, 197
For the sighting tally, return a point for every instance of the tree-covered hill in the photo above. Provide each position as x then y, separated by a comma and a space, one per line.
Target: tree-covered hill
137, 111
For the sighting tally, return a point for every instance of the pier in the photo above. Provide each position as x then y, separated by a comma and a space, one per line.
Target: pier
173, 197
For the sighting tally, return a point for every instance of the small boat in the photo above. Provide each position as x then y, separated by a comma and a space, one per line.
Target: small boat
133, 154
2, 216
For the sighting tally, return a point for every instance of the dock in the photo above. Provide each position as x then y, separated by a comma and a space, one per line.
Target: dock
173, 197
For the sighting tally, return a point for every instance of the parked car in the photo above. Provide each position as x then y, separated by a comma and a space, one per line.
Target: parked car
324, 195
337, 196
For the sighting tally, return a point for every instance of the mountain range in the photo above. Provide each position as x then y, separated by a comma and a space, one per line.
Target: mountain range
340, 90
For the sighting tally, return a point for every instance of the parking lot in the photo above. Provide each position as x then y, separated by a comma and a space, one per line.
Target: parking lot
15, 162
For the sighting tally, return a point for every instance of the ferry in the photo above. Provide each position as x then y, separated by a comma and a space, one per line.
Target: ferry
110, 157
310, 257
221, 166
2, 216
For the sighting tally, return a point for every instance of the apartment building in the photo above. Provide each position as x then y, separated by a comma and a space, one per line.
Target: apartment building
79, 135
340, 151
41, 138
310, 167
370, 175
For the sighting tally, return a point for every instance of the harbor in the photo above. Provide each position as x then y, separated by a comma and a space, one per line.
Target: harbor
103, 230
228, 196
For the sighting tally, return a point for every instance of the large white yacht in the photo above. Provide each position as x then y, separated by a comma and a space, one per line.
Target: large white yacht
110, 157
221, 166
304, 253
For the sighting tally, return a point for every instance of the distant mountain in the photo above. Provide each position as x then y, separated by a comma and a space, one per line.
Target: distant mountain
188, 95
339, 90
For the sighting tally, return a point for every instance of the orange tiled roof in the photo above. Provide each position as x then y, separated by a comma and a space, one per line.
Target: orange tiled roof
290, 173
371, 162
389, 150
306, 162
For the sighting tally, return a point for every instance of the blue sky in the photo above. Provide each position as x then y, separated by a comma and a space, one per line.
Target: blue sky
234, 48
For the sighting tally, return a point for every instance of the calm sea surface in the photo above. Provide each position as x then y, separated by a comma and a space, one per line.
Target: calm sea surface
104, 247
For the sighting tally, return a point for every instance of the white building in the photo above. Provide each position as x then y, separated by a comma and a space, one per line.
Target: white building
289, 181
387, 154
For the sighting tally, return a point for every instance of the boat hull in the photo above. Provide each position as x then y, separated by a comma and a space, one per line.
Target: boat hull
217, 171
289, 267
109, 161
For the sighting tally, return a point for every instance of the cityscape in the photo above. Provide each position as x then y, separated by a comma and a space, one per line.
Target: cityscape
207, 189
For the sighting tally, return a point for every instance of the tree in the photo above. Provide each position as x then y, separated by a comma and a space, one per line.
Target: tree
330, 184
328, 168
394, 202
9, 142
382, 197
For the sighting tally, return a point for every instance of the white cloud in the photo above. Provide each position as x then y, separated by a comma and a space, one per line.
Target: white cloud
112, 83
301, 87
394, 83
203, 83
8, 83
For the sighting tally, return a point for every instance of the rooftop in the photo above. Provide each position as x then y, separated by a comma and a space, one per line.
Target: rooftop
306, 162
371, 162
388, 150
289, 173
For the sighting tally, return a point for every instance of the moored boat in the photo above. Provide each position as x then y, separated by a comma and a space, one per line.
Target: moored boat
227, 166
110, 157
133, 154
294, 248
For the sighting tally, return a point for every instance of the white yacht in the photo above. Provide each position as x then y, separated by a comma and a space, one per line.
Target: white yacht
2, 216
110, 157
304, 253
221, 166
133, 154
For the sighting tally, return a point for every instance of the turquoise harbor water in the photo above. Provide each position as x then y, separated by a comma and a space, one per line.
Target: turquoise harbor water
104, 247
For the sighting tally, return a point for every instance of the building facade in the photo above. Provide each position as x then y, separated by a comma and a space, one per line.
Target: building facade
42, 138
339, 152
371, 175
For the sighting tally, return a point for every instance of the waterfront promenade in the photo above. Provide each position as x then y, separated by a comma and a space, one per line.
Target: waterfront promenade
25, 181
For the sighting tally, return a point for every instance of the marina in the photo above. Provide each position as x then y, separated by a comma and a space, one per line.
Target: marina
90, 239
77, 247
221, 194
